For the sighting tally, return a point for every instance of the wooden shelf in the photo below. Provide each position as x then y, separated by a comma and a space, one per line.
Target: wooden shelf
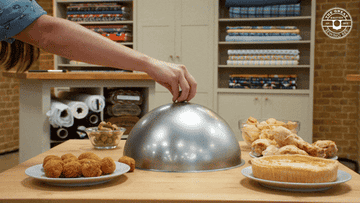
266, 42
78, 76
265, 19
89, 1
263, 66
107, 22
261, 91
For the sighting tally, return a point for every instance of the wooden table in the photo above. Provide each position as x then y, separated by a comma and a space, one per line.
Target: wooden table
35, 100
145, 186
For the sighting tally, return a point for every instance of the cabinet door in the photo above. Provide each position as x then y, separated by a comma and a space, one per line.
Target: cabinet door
195, 44
156, 30
290, 107
235, 107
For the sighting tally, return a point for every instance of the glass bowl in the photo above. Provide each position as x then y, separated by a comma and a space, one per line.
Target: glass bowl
104, 139
252, 132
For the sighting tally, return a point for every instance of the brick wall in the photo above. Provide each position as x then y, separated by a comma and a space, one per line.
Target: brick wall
336, 100
9, 98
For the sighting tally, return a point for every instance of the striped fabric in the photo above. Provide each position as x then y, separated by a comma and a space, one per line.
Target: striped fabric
265, 11
263, 51
262, 33
264, 57
261, 38
261, 27
262, 62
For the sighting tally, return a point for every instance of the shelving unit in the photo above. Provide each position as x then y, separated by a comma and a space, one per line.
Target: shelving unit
35, 101
60, 11
84, 69
265, 103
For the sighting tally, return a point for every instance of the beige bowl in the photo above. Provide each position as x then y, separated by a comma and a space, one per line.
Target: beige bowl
104, 139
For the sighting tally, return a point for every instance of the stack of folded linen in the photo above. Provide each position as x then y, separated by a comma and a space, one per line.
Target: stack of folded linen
263, 57
121, 33
265, 11
93, 12
263, 8
248, 81
262, 33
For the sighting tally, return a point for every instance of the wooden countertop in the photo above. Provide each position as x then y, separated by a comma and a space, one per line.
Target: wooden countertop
78, 75
145, 186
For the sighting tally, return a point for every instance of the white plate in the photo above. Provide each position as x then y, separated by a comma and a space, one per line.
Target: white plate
38, 173
342, 177
253, 156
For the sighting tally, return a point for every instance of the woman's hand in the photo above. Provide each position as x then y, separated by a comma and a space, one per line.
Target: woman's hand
172, 76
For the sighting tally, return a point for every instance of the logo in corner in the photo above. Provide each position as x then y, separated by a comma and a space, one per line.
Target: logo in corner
336, 23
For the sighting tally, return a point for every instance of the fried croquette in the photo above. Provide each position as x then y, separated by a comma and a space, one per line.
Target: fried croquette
89, 155
70, 159
49, 157
129, 161
72, 170
53, 168
108, 165
91, 168
68, 156
82, 161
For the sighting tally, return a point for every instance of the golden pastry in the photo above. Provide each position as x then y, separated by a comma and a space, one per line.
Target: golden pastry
328, 146
290, 149
295, 168
259, 145
270, 150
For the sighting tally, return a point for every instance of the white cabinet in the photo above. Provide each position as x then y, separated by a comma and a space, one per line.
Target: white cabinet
180, 32
234, 107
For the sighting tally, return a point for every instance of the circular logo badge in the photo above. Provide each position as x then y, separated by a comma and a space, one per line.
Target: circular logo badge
336, 23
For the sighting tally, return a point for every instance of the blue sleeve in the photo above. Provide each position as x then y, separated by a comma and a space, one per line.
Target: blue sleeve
16, 15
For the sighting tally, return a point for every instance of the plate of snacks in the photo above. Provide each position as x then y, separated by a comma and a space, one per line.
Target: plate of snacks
296, 173
85, 170
280, 138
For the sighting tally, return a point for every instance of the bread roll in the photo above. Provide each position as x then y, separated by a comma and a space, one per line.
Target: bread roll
295, 168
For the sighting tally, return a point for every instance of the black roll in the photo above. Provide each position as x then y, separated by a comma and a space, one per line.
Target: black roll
60, 133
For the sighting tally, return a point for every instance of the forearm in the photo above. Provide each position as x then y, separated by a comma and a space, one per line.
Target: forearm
73, 41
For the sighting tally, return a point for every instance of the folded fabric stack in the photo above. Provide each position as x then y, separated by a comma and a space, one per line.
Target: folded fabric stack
246, 81
263, 8
265, 11
262, 33
123, 107
95, 12
263, 57
120, 33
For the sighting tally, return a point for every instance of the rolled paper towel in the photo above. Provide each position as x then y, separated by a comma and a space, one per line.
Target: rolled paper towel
92, 119
60, 115
61, 133
79, 109
96, 103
